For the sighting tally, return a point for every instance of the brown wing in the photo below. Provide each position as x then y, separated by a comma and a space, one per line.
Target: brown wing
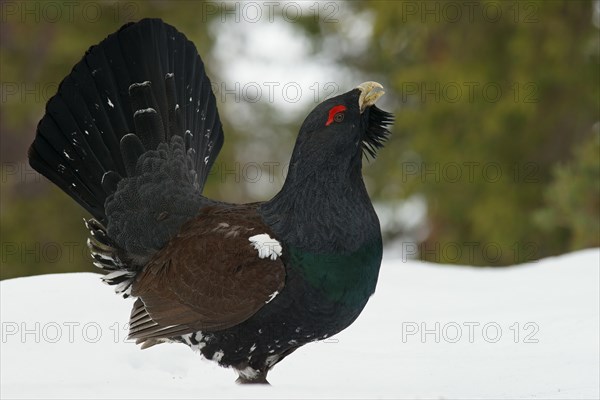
209, 277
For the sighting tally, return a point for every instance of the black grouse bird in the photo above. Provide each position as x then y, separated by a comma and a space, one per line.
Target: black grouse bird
131, 136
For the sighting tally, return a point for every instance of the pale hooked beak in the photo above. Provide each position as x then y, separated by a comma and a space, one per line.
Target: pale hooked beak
369, 93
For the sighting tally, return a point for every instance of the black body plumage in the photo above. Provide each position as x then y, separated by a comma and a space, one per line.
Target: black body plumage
131, 136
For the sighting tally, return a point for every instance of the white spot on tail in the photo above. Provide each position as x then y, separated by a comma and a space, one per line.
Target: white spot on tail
110, 102
218, 355
271, 360
145, 111
266, 246
116, 274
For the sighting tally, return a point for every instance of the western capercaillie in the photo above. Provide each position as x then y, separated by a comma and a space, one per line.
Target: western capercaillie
131, 136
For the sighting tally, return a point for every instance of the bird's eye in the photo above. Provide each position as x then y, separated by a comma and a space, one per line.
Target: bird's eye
336, 114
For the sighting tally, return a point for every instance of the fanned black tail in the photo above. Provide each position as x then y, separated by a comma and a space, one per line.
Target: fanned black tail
131, 136
83, 134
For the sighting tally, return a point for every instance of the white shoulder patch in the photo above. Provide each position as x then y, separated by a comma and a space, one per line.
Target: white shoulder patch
272, 296
266, 246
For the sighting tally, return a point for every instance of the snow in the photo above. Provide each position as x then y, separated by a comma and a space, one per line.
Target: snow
63, 336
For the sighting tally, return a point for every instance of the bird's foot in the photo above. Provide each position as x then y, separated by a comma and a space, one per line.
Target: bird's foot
247, 374
260, 380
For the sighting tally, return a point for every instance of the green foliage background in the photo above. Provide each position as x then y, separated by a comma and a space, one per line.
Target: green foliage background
541, 131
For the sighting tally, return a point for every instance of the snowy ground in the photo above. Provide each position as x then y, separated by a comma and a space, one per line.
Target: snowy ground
530, 331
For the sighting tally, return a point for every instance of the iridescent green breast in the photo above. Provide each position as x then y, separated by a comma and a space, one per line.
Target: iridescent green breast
346, 278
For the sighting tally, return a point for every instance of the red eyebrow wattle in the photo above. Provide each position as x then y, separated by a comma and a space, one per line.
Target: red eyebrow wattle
332, 112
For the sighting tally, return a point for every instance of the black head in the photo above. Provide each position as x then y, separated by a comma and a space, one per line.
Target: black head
324, 188
341, 129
